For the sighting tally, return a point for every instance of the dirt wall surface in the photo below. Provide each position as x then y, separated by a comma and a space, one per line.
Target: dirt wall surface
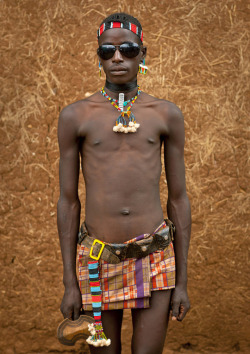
198, 57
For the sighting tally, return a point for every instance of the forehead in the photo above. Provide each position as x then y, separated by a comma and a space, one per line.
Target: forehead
118, 36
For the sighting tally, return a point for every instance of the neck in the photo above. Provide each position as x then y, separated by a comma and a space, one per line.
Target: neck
117, 88
129, 89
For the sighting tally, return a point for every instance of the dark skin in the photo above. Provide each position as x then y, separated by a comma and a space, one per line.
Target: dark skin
121, 173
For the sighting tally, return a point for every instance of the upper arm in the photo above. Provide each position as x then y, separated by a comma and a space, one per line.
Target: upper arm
174, 153
69, 154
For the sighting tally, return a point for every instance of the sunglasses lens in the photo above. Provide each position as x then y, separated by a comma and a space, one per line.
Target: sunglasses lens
130, 50
106, 51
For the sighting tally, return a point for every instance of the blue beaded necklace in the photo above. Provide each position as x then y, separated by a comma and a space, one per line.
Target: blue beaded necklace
121, 125
104, 93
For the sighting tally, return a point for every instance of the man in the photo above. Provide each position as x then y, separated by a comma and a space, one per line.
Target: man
119, 148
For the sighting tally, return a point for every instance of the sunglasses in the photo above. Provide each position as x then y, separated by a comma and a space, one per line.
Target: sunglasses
129, 50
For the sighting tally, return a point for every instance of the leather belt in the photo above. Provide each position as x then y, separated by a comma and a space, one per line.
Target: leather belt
117, 252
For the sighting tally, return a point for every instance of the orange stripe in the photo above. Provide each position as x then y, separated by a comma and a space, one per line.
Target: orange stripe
165, 279
106, 284
154, 286
124, 280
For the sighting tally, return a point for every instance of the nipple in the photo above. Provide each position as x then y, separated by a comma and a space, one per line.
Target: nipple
151, 140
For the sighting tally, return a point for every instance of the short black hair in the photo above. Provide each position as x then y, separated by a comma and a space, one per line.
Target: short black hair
122, 17
126, 21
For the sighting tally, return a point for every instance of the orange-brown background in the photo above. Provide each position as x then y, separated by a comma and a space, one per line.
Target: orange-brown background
198, 57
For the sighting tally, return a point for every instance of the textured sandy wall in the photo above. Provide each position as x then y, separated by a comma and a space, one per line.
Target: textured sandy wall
198, 57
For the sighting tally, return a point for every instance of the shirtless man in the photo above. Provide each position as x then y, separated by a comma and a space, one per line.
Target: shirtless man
122, 173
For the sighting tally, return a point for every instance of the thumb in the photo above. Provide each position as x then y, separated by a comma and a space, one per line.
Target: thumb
175, 310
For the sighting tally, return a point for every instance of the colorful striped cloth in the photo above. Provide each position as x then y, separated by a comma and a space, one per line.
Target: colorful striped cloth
129, 283
98, 337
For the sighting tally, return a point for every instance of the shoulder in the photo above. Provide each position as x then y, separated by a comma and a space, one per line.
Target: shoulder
78, 108
170, 113
74, 118
167, 108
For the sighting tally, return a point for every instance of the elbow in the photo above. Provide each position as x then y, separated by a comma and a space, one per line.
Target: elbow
178, 198
68, 203
179, 204
67, 210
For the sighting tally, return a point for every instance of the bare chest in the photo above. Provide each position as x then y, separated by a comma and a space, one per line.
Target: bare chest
100, 137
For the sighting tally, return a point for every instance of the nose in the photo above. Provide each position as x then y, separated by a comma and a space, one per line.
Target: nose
117, 57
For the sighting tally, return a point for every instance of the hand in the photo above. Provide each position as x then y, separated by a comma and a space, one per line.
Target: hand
71, 303
180, 303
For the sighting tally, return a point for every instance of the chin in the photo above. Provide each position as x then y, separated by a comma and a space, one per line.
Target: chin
120, 79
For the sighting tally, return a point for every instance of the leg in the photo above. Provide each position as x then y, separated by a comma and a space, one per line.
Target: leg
112, 323
150, 325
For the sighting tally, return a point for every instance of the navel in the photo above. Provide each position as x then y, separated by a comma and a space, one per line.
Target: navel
97, 142
151, 140
125, 211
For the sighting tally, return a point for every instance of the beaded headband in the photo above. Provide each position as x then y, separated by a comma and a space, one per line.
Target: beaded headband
126, 25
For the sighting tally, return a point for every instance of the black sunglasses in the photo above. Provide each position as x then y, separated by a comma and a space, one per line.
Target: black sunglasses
129, 50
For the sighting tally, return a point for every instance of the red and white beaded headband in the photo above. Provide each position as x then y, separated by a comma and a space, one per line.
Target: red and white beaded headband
126, 25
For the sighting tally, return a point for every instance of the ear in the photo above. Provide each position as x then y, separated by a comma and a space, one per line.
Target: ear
144, 53
97, 52
99, 59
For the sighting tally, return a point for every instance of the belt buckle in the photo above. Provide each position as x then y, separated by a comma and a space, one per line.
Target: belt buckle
100, 252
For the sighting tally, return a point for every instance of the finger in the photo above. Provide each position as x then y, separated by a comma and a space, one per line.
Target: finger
68, 315
82, 312
183, 312
65, 313
76, 313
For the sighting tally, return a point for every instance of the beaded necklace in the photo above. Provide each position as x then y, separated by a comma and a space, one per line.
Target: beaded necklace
116, 101
121, 124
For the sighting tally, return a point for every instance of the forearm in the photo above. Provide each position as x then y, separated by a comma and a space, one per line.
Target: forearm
180, 214
68, 220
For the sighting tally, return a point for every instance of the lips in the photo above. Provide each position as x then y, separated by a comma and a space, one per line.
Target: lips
118, 69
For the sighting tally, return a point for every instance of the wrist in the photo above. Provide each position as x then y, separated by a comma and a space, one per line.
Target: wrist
181, 285
70, 281
181, 280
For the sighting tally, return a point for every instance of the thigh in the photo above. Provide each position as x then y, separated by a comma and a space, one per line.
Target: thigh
150, 325
112, 323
